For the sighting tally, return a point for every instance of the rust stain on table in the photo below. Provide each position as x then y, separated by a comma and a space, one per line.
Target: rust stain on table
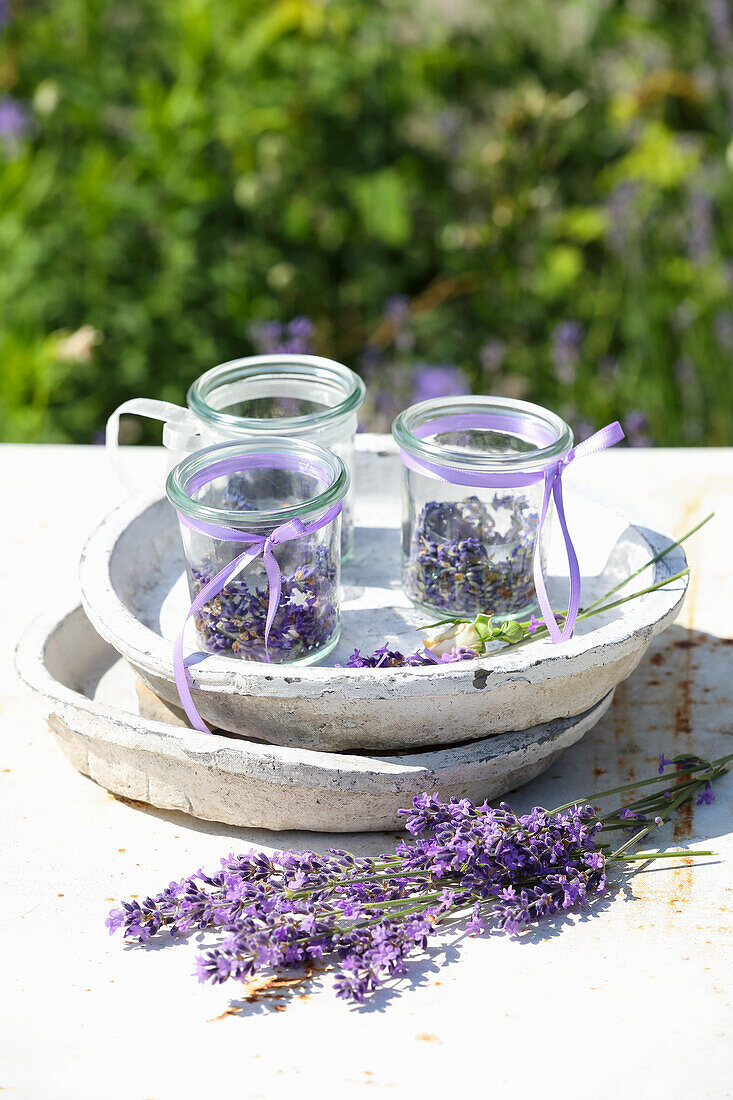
271, 988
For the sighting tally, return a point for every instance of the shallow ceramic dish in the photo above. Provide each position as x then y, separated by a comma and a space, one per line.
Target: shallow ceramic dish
135, 595
88, 696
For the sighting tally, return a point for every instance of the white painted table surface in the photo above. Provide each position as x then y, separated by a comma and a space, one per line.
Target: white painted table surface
635, 999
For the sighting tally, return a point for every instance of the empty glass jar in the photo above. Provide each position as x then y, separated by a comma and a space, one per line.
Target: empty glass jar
301, 397
473, 484
261, 525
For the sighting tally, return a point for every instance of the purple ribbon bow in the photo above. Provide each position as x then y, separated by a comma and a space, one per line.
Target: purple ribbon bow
551, 475
260, 545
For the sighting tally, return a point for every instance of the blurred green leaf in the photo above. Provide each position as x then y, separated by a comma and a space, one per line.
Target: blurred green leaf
382, 201
561, 267
659, 157
584, 224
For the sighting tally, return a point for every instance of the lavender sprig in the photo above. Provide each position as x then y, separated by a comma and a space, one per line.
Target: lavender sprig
367, 915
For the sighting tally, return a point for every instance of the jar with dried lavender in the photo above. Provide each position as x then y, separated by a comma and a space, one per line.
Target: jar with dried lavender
260, 525
476, 495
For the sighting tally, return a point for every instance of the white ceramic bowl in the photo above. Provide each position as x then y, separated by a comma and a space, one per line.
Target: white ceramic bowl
134, 592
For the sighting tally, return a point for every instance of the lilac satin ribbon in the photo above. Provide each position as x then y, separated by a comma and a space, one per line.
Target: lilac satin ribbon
551, 475
260, 545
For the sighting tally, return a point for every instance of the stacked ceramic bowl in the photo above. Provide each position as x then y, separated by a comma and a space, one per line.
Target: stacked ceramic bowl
184, 683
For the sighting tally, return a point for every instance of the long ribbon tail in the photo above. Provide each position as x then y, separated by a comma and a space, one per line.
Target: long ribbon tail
573, 567
274, 585
293, 529
606, 437
180, 671
539, 579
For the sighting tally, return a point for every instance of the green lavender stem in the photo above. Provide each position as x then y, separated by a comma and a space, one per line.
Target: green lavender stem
638, 836
652, 561
542, 631
634, 595
705, 765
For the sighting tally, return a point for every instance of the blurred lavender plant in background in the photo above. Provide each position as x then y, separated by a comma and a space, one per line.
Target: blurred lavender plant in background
394, 378
432, 381
14, 122
684, 370
292, 338
583, 429
724, 329
492, 355
720, 22
392, 386
700, 227
567, 338
622, 218
397, 317
636, 425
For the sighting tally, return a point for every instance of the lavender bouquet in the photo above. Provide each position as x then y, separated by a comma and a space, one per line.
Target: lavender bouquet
363, 916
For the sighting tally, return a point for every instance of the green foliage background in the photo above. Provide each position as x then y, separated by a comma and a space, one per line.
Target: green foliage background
190, 166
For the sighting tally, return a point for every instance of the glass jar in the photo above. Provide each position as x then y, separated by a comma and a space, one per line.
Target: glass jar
260, 491
303, 397
473, 489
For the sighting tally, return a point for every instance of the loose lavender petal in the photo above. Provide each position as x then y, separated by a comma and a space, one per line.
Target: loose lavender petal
384, 657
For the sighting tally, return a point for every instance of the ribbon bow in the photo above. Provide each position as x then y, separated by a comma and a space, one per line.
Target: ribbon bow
260, 545
552, 477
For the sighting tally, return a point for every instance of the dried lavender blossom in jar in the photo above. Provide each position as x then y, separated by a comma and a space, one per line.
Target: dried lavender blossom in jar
233, 623
468, 556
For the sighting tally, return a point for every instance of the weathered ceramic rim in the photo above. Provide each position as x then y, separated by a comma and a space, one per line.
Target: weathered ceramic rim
152, 654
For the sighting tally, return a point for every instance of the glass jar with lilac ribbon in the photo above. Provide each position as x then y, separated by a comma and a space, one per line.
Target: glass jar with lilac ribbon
482, 476
304, 397
260, 525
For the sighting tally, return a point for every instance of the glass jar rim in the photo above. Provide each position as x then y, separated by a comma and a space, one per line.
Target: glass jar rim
315, 459
409, 422
312, 368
